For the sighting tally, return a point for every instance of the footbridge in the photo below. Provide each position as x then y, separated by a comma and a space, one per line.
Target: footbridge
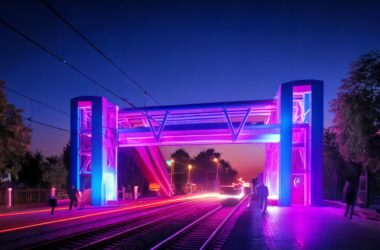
290, 125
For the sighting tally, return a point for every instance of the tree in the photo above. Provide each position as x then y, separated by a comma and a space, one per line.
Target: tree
357, 114
204, 172
227, 174
15, 137
66, 162
335, 169
205, 169
31, 171
54, 173
181, 161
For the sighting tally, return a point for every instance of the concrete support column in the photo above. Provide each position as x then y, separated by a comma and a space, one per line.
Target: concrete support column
98, 196
102, 163
74, 144
285, 171
316, 168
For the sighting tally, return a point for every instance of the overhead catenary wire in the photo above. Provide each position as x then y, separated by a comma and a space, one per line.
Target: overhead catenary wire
47, 125
30, 119
35, 100
97, 49
61, 59
32, 99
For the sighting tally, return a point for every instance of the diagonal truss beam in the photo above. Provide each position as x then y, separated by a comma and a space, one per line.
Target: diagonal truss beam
235, 134
157, 134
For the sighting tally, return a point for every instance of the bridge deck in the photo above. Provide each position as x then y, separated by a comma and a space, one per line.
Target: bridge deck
206, 123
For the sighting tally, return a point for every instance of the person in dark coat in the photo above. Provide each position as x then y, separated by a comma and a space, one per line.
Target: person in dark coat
52, 203
73, 197
349, 191
262, 193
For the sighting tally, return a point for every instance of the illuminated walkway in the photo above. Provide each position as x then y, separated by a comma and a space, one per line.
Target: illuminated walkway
303, 228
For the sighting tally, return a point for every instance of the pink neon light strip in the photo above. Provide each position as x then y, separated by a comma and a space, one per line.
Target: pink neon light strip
105, 212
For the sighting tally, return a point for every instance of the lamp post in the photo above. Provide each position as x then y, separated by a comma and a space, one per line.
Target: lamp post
188, 176
171, 174
217, 173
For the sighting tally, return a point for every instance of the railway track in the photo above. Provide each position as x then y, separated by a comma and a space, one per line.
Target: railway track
208, 232
29, 240
118, 233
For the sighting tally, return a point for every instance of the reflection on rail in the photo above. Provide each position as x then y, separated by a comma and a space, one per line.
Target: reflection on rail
205, 231
123, 208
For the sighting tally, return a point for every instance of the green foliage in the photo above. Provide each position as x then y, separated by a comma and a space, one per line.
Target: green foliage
66, 162
227, 174
205, 168
334, 166
357, 109
37, 171
15, 137
203, 171
181, 161
31, 171
357, 114
54, 173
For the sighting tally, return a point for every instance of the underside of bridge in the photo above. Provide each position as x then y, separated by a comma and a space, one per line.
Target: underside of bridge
290, 125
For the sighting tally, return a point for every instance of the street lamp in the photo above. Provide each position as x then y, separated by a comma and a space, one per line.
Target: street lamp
171, 173
188, 176
216, 160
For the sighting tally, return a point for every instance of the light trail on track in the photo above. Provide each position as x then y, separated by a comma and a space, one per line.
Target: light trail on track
32, 212
154, 204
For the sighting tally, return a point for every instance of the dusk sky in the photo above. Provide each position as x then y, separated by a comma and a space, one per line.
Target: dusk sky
180, 51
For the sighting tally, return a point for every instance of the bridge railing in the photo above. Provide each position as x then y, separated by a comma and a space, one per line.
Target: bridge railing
3, 197
28, 196
374, 200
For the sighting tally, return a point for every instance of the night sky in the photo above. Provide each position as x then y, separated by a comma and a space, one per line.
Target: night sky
180, 51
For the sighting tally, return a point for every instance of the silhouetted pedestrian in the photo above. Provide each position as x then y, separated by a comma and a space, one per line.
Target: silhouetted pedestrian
349, 192
262, 193
73, 197
52, 203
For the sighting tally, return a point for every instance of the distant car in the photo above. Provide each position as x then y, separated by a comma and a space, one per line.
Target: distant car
231, 195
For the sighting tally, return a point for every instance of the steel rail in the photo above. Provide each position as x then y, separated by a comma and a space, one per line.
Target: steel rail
171, 240
216, 232
179, 233
130, 231
128, 221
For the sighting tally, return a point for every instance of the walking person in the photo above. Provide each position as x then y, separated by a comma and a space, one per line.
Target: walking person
262, 193
73, 197
52, 203
349, 192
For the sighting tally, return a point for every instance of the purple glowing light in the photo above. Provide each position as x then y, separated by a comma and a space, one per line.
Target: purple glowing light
290, 126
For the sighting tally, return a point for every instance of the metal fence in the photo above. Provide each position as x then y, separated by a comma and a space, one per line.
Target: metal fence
62, 195
332, 195
374, 200
3, 193
29, 196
